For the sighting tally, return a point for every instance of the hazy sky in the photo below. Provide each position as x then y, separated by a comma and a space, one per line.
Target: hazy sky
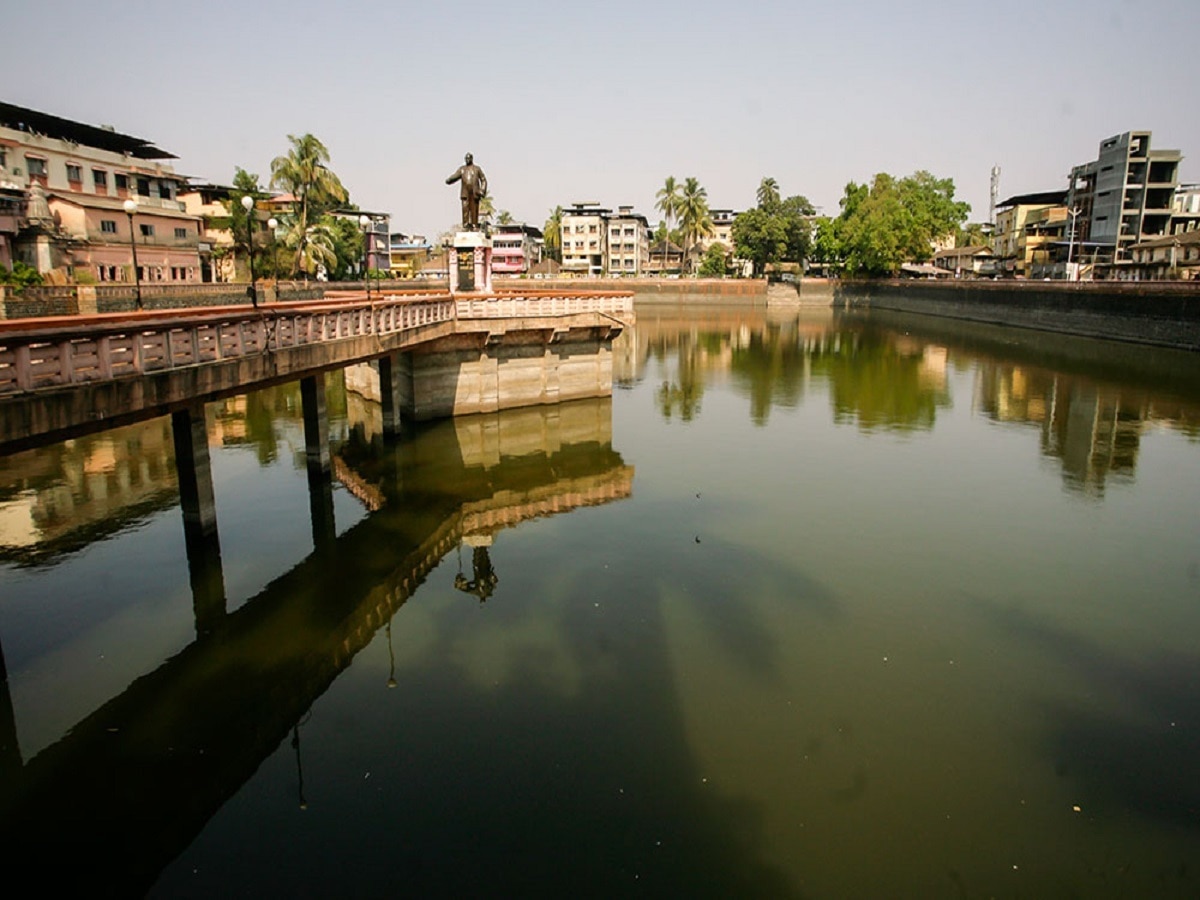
603, 99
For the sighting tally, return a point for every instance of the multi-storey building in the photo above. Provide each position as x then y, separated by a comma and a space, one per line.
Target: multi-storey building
1123, 197
74, 180
584, 238
628, 242
722, 232
1027, 227
409, 253
515, 248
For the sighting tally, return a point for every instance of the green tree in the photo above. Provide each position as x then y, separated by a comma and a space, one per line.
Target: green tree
694, 219
715, 262
552, 234
304, 173
245, 184
761, 237
974, 234
315, 252
504, 217
893, 221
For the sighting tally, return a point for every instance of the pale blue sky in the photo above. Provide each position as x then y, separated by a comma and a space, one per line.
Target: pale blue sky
602, 100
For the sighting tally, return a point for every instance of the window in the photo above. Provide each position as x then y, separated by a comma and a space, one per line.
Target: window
164, 190
74, 173
35, 166
121, 182
100, 180
3, 158
108, 226
143, 186
147, 230
181, 232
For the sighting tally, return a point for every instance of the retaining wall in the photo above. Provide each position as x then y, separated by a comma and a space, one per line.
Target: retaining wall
1165, 315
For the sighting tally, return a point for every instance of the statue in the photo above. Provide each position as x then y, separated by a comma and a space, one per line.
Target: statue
37, 210
474, 186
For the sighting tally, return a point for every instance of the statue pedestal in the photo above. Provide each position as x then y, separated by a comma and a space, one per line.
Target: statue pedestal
471, 263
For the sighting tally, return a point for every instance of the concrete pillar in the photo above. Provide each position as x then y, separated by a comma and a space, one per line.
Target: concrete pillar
10, 750
316, 453
391, 395
205, 572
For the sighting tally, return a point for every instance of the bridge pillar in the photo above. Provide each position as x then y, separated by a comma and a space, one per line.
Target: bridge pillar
391, 393
199, 506
317, 456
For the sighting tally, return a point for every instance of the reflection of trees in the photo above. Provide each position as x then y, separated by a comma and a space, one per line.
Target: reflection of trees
883, 384
772, 370
682, 396
255, 419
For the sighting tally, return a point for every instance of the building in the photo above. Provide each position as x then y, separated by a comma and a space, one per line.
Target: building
65, 184
584, 238
967, 262
376, 233
1175, 257
409, 253
516, 248
1027, 227
628, 243
1122, 198
1185, 209
722, 233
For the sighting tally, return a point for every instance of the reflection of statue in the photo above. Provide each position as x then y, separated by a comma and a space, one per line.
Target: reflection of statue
485, 578
474, 186
37, 210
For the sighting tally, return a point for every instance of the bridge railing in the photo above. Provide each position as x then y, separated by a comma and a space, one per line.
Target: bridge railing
509, 305
72, 352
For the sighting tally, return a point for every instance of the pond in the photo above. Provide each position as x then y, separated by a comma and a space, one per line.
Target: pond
819, 604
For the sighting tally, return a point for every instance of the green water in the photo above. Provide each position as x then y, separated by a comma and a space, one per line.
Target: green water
813, 607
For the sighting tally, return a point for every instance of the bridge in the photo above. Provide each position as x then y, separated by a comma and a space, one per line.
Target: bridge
69, 375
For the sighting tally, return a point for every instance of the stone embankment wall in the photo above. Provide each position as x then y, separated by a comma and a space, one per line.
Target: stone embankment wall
716, 287
1166, 315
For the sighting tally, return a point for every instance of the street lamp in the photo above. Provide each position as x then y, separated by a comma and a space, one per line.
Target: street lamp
272, 224
130, 208
1074, 213
365, 222
248, 206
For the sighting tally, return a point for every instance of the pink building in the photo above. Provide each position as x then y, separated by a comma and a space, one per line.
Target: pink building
75, 180
515, 248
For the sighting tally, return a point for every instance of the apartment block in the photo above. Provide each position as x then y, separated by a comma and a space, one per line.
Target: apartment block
1028, 228
628, 242
1123, 197
66, 184
515, 248
584, 238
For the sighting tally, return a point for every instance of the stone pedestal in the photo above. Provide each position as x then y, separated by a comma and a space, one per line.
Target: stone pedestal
471, 263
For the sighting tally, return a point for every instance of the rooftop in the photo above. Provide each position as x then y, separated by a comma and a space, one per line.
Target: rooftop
33, 122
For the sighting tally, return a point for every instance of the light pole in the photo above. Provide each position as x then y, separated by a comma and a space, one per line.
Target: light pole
248, 206
1074, 213
272, 224
365, 222
130, 208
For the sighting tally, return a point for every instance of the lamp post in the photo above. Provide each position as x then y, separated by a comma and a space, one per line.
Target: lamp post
130, 208
248, 206
272, 224
365, 222
1074, 213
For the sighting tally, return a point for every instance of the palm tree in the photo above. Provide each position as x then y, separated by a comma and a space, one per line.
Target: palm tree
552, 234
304, 174
668, 204
314, 251
504, 217
694, 218
768, 192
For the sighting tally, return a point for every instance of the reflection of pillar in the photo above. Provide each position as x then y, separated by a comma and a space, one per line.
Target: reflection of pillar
390, 394
316, 454
10, 750
199, 518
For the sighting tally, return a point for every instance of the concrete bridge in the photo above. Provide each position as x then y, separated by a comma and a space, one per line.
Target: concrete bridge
438, 355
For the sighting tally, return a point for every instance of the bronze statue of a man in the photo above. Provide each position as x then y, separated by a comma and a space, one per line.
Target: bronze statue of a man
474, 186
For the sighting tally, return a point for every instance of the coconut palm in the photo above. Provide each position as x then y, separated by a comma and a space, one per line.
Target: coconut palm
694, 218
768, 193
668, 204
303, 173
314, 251
552, 234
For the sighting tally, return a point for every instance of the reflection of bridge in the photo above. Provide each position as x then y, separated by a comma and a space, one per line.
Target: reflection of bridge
135, 781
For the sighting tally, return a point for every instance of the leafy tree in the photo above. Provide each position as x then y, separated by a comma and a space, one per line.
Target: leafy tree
504, 217
761, 237
715, 262
346, 241
245, 184
304, 173
552, 234
892, 221
975, 234
20, 275
316, 251
694, 219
